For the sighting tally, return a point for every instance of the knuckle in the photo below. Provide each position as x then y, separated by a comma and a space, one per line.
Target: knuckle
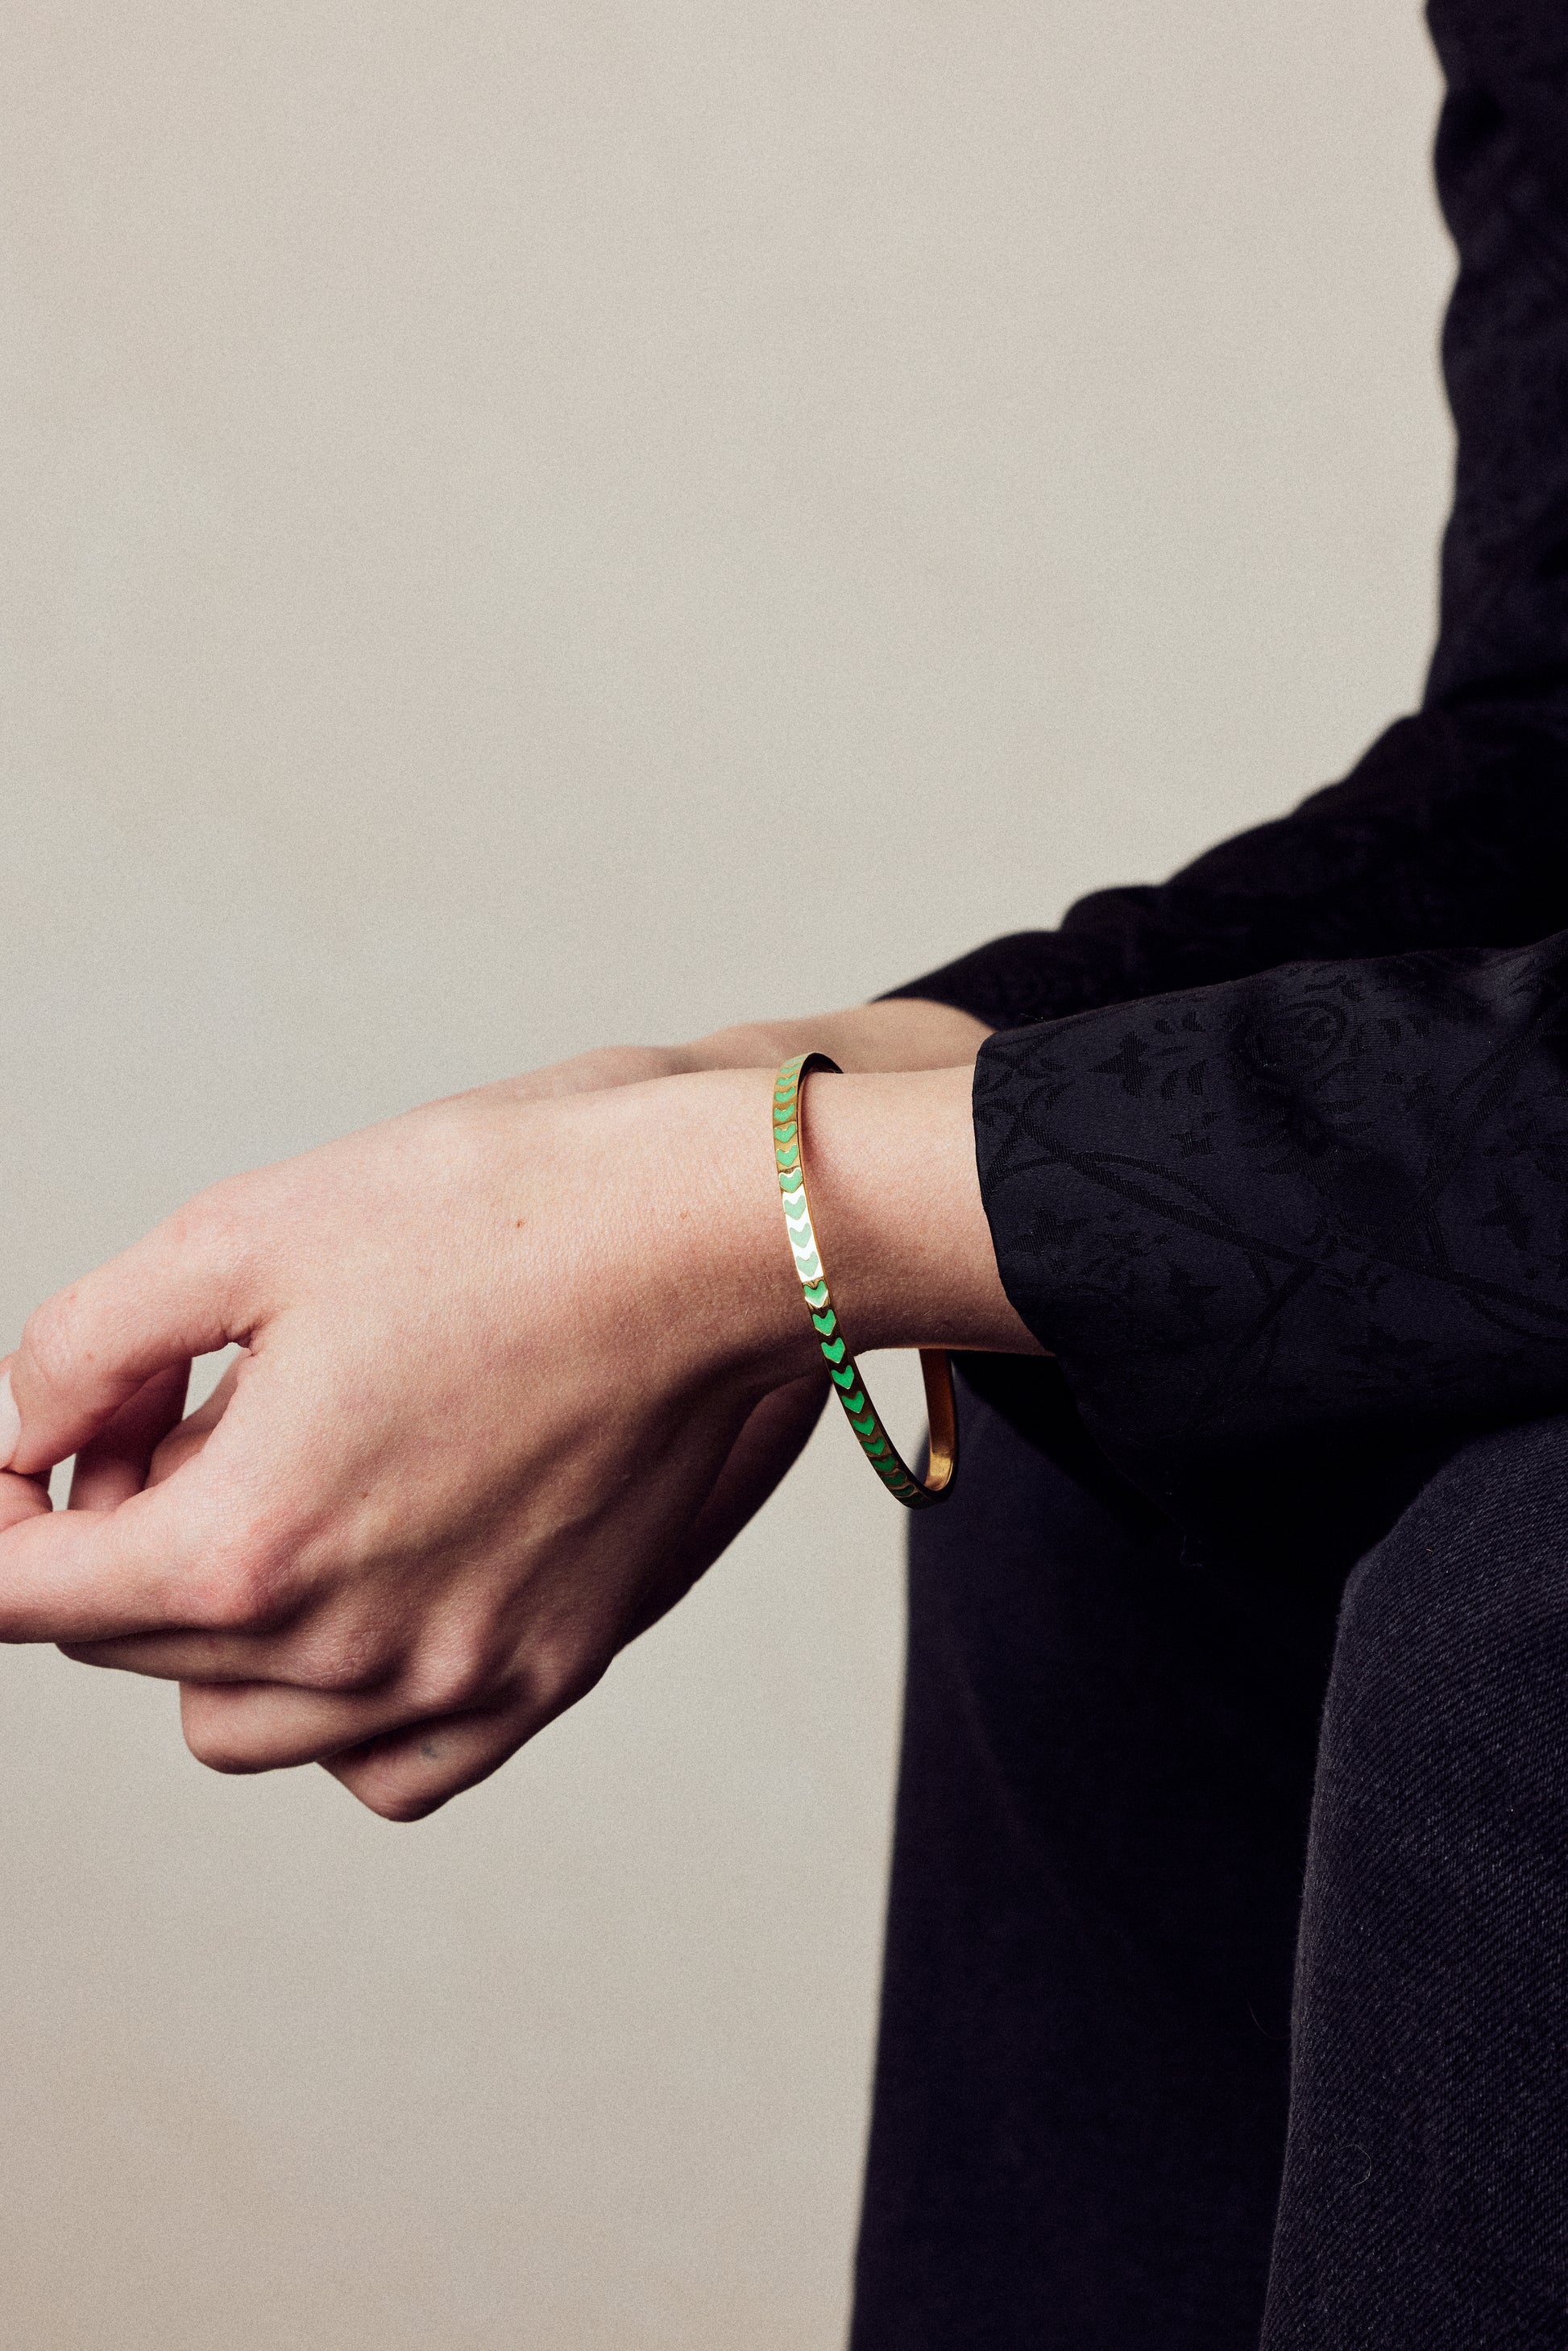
558, 1673
190, 1228
216, 1754
52, 1341
457, 1678
402, 1806
345, 1668
245, 1587
231, 1598
215, 1741
218, 1230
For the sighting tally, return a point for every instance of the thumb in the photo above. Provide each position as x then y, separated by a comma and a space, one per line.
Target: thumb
22, 1498
182, 1292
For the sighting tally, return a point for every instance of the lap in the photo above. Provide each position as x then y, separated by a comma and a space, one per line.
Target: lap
1426, 2177
1085, 2063
1081, 2095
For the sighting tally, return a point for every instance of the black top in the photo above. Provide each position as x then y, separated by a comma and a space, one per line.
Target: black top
1275, 1154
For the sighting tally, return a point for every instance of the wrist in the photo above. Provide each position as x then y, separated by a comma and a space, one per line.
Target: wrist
897, 1210
729, 1295
890, 1163
903, 1033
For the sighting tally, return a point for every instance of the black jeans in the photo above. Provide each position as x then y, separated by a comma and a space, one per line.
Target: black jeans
1226, 1999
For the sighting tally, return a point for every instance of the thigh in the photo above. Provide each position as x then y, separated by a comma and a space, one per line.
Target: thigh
1081, 2077
1426, 2197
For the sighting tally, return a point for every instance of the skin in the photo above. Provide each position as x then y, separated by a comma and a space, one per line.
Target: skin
517, 1367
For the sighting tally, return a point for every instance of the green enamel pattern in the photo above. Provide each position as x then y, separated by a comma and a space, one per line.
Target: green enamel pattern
848, 1385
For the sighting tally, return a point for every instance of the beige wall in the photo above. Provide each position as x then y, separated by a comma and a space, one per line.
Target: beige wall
531, 523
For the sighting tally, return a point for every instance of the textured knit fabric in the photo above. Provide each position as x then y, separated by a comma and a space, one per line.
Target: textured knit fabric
1086, 2058
1425, 2190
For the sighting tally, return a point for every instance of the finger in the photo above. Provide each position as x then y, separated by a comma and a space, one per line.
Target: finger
186, 1289
306, 1658
269, 1727
113, 1464
186, 1653
768, 1447
22, 1498
410, 1773
186, 1442
93, 1575
399, 1768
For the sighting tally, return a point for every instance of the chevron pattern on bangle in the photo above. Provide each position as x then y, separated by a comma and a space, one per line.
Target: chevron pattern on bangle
848, 1385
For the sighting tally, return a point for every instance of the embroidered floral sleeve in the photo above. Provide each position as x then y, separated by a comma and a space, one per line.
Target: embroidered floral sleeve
1309, 1217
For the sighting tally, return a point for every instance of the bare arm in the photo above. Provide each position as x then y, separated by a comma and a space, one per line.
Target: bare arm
900, 1034
500, 1355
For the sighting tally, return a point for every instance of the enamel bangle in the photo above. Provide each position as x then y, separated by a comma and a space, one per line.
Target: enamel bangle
848, 1385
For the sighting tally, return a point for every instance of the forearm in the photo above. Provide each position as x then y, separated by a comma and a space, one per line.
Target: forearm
515, 1368
896, 1208
901, 1033
891, 1156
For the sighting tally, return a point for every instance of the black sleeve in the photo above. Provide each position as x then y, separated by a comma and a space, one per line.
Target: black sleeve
1288, 1194
1453, 829
1287, 1234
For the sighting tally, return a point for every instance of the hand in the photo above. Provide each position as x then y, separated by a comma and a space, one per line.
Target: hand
901, 1033
22, 1498
498, 1355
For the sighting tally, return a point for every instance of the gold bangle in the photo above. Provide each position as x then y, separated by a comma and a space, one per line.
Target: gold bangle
848, 1385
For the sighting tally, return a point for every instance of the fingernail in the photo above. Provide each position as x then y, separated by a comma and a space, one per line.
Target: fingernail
10, 1421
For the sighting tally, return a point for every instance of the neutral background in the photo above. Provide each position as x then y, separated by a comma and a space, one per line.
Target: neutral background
528, 523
